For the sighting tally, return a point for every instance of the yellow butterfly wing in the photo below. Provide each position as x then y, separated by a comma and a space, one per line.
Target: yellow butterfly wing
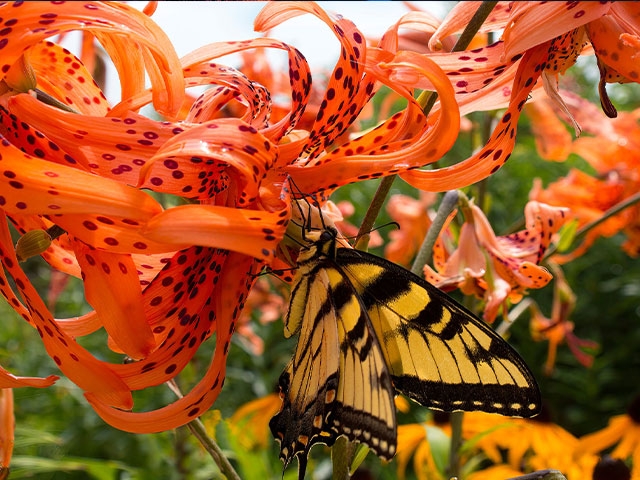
437, 352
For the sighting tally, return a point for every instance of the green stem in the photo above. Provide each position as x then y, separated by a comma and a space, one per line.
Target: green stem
197, 428
54, 102
448, 204
541, 475
341, 457
427, 99
632, 200
362, 239
456, 442
513, 315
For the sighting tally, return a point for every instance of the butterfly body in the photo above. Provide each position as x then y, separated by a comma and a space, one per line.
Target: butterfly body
368, 329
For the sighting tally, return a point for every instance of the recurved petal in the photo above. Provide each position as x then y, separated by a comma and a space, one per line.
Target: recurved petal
64, 76
112, 288
252, 232
347, 90
227, 303
534, 23
7, 380
615, 47
122, 23
460, 15
500, 145
30, 185
553, 141
402, 142
76, 363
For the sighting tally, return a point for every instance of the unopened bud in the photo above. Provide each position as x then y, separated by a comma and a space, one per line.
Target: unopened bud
32, 243
21, 77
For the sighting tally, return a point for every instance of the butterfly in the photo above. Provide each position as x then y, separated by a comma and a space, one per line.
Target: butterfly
367, 328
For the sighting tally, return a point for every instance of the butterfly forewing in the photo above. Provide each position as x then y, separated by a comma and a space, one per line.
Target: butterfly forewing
437, 352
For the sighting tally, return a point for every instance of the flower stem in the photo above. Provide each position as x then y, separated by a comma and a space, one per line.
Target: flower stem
427, 100
541, 475
456, 442
197, 428
629, 201
54, 102
448, 204
341, 458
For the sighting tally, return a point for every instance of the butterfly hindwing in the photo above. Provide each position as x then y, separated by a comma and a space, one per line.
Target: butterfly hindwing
337, 382
437, 352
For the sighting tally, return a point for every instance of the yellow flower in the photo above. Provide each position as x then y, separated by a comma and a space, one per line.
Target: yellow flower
495, 472
250, 423
623, 430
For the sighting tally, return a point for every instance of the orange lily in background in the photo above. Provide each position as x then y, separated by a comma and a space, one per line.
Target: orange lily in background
7, 425
558, 328
613, 152
497, 268
413, 217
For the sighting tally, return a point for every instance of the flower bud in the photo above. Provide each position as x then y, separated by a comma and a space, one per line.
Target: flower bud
32, 243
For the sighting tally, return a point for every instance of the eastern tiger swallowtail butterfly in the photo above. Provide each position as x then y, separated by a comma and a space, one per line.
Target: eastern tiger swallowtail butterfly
367, 329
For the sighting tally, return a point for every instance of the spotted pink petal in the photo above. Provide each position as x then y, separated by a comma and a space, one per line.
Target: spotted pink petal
382, 151
33, 186
227, 303
76, 363
534, 23
7, 380
546, 220
62, 75
460, 16
112, 288
499, 147
252, 232
139, 40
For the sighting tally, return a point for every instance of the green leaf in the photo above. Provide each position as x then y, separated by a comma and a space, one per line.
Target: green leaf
24, 466
361, 453
567, 235
469, 444
440, 445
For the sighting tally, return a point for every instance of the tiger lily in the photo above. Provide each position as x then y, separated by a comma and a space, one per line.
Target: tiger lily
540, 41
162, 280
496, 268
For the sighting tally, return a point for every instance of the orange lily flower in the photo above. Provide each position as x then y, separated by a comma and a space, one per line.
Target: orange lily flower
613, 153
553, 141
413, 217
558, 328
496, 268
154, 274
412, 440
540, 40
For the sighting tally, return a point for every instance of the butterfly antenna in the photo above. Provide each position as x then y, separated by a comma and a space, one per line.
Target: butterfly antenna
299, 192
